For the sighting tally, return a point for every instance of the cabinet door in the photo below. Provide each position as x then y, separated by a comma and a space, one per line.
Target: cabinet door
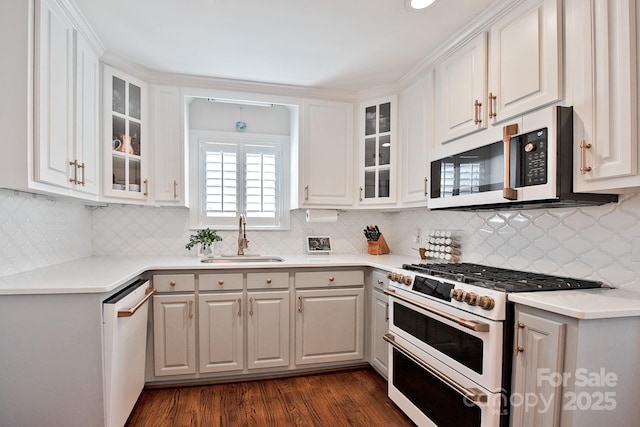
379, 327
168, 147
378, 148
525, 59
174, 334
87, 125
327, 153
461, 82
329, 325
126, 142
416, 137
539, 347
220, 332
54, 90
602, 63
268, 329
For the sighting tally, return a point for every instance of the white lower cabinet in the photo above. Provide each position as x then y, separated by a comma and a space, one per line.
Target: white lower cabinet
574, 372
379, 327
220, 338
268, 329
329, 325
174, 334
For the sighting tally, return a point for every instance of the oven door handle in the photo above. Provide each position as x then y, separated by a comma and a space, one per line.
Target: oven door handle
473, 394
469, 324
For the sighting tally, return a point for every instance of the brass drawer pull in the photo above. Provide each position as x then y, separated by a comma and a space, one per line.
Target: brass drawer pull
584, 146
172, 283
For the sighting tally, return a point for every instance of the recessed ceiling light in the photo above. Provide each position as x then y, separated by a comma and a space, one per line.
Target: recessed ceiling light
420, 4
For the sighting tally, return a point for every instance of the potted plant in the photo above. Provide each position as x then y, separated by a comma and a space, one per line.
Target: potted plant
205, 238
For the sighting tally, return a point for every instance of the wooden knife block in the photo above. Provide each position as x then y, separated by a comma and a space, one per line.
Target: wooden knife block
378, 247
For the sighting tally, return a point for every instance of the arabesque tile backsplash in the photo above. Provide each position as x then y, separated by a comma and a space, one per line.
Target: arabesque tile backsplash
590, 242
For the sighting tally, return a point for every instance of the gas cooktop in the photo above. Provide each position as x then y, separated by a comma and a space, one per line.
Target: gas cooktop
501, 279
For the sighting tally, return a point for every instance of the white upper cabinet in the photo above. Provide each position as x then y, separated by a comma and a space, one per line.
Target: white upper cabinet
461, 85
168, 147
602, 74
416, 137
66, 87
327, 154
126, 147
525, 58
377, 155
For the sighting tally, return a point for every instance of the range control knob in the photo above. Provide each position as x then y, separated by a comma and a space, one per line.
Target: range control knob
407, 280
471, 298
390, 275
486, 303
457, 294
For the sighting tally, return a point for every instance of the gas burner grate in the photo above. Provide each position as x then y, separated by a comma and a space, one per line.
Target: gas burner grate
501, 279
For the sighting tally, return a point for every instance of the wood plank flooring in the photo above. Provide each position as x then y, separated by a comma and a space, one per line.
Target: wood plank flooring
349, 398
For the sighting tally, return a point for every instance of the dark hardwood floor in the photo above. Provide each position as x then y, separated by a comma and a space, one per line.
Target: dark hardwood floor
347, 398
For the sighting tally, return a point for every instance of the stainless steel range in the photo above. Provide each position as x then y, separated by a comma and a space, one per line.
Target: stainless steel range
451, 336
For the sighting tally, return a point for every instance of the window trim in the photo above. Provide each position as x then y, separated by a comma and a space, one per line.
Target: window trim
197, 137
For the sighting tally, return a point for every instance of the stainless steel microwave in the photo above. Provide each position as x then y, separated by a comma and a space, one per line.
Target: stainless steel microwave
531, 167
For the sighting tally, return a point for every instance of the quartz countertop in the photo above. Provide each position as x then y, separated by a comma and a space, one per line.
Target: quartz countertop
584, 304
105, 274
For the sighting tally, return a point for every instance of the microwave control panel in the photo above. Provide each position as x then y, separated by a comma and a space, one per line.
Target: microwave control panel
532, 153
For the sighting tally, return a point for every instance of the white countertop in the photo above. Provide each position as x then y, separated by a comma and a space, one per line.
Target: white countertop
105, 274
584, 304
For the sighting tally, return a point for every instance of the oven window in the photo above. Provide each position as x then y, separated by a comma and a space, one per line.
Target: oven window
441, 404
455, 343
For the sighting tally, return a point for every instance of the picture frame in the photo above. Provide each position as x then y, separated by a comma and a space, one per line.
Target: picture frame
319, 244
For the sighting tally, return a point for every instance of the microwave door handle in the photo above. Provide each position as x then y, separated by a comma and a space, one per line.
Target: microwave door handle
508, 192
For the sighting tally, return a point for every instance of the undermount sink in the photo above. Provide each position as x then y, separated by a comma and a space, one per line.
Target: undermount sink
241, 258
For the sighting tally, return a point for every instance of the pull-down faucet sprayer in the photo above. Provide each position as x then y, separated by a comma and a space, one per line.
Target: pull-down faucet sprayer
243, 243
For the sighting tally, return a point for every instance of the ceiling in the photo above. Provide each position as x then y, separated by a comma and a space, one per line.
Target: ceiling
348, 45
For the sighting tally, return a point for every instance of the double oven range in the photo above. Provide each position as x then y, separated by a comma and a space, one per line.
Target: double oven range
451, 336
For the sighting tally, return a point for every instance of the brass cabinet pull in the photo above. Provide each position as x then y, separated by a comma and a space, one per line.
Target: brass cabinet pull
129, 312
172, 283
220, 282
239, 307
146, 187
306, 192
584, 146
269, 281
82, 166
75, 172
361, 190
516, 345
492, 98
175, 189
508, 192
299, 304
476, 112
425, 186
473, 394
331, 278
190, 309
251, 306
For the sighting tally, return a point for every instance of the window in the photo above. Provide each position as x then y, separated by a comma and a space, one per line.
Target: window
239, 174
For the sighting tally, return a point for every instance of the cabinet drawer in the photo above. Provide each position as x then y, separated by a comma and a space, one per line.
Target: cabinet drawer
379, 279
220, 281
174, 282
329, 278
267, 280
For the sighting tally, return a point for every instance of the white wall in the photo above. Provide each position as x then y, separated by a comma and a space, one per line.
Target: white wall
36, 232
591, 242
205, 115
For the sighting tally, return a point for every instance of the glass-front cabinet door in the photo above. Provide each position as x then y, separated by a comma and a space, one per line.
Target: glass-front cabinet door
126, 142
378, 151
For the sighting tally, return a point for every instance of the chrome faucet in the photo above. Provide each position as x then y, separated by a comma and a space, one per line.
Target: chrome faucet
243, 243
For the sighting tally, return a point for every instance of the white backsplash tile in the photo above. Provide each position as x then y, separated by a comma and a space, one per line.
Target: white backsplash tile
36, 232
589, 242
